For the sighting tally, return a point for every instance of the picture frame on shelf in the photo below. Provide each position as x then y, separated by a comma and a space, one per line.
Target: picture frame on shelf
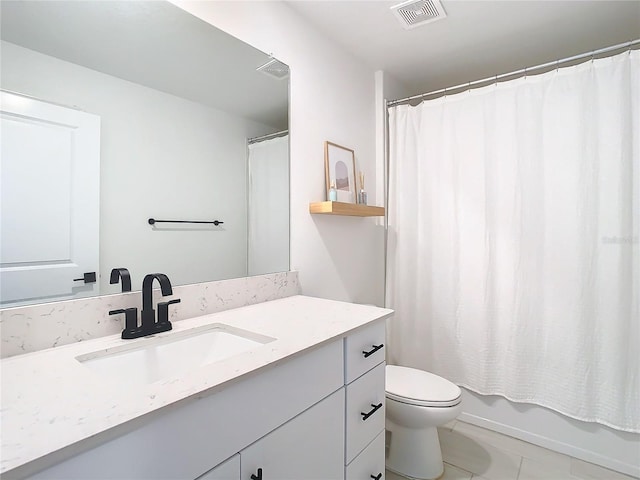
340, 171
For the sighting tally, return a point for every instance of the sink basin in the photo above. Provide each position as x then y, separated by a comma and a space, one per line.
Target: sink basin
154, 358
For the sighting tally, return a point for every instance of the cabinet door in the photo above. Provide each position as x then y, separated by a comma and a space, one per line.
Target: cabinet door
228, 470
308, 447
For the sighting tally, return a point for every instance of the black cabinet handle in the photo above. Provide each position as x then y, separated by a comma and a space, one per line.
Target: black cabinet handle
374, 350
371, 412
88, 277
377, 477
257, 477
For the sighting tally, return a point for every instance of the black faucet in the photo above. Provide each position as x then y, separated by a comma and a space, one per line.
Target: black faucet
150, 324
121, 274
130, 314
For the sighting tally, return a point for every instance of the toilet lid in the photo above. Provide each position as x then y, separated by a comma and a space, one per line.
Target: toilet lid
418, 387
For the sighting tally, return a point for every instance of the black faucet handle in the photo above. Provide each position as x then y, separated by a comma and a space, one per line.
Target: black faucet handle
170, 302
130, 321
163, 311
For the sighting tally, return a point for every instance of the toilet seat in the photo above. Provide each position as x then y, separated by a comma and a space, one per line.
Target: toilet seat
417, 387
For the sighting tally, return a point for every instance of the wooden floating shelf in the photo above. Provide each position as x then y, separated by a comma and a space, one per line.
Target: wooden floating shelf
347, 209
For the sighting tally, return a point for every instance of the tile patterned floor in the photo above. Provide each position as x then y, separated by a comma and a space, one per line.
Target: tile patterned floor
471, 452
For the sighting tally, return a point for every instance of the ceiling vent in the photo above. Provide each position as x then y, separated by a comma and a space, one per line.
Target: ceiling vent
274, 68
415, 13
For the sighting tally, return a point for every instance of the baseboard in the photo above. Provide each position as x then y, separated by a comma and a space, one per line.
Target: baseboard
551, 444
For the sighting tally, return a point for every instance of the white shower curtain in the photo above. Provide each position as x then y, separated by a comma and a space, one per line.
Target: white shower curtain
513, 261
268, 238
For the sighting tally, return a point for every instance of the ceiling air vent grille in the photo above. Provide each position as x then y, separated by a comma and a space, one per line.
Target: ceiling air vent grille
415, 13
274, 68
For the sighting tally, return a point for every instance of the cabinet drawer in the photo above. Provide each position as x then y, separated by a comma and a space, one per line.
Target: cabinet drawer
363, 350
370, 463
365, 410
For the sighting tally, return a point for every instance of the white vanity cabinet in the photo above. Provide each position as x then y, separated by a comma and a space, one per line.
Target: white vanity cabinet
187, 440
316, 416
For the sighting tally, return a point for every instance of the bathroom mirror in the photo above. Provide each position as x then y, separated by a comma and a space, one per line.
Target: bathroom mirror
117, 112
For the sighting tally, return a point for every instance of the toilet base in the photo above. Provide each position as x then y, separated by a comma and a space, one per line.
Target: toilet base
414, 453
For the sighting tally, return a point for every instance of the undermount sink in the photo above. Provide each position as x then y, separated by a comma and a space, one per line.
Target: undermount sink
155, 358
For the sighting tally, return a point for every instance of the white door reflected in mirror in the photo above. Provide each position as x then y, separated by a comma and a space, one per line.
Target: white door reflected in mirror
50, 195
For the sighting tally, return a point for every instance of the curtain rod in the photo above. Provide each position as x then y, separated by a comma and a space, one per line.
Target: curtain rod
269, 136
495, 78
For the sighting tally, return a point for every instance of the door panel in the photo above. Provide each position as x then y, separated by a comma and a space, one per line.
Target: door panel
49, 204
308, 447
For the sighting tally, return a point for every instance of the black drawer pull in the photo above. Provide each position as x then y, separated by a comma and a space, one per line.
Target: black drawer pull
371, 412
257, 477
377, 477
374, 350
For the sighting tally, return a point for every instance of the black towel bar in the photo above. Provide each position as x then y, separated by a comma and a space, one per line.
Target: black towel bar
153, 221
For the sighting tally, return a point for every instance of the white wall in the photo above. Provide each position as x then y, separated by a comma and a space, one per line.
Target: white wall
161, 156
332, 98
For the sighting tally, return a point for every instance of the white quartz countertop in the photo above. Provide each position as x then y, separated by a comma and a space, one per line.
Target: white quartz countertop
54, 407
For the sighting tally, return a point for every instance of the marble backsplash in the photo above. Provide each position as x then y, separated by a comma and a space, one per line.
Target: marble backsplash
36, 327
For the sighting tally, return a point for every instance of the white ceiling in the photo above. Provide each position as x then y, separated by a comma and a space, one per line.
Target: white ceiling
477, 39
155, 44
182, 55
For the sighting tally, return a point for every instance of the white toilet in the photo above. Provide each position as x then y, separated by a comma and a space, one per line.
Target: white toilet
417, 403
